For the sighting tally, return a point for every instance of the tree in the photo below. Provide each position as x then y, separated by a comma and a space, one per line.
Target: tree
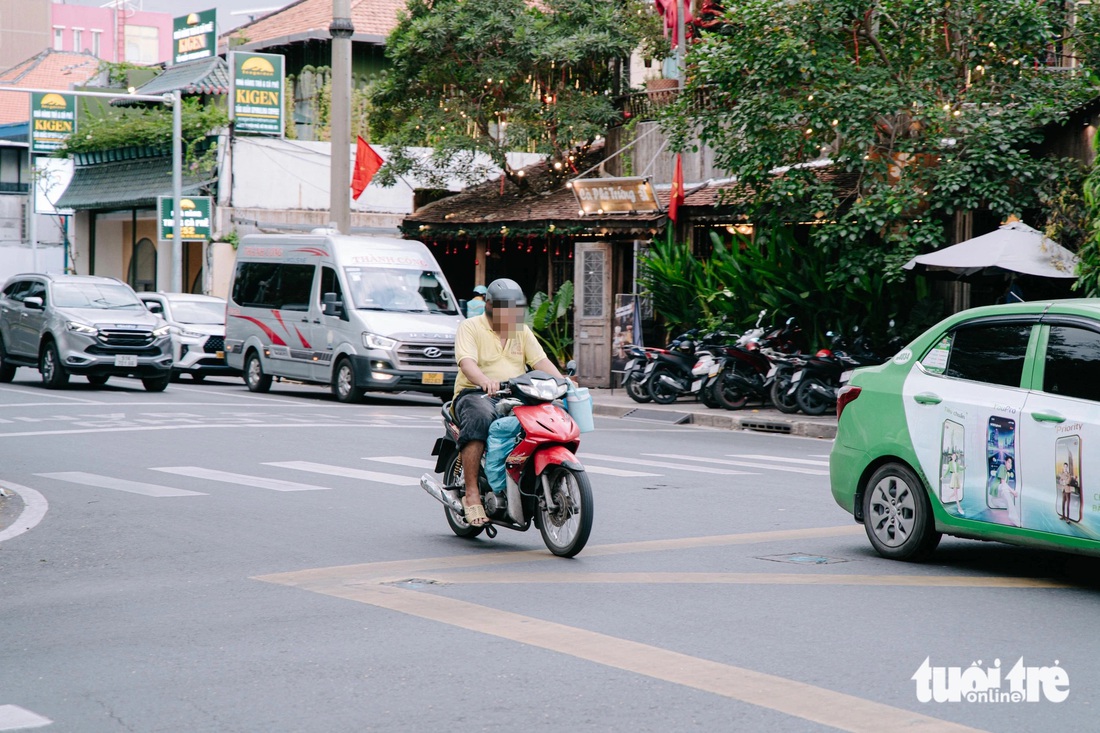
493, 76
916, 109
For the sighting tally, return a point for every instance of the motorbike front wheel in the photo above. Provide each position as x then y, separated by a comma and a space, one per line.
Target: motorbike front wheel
811, 401
661, 393
452, 476
638, 391
565, 528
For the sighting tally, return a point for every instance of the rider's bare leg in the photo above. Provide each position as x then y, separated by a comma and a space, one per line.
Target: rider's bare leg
471, 466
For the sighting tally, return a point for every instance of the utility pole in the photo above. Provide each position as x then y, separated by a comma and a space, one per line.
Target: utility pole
177, 190
340, 198
681, 40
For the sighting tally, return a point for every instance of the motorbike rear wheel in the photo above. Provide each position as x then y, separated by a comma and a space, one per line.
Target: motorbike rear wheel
810, 400
452, 475
661, 393
566, 527
728, 391
638, 391
780, 394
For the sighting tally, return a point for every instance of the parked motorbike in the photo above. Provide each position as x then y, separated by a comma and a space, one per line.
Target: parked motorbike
784, 367
545, 482
816, 385
668, 376
746, 370
634, 374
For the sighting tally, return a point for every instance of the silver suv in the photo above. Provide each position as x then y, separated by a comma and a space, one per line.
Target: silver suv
91, 326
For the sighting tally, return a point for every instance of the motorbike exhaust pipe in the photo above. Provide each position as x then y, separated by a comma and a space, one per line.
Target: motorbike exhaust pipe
670, 382
446, 497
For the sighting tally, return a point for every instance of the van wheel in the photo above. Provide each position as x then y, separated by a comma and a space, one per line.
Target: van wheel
254, 375
7, 369
897, 514
53, 371
343, 383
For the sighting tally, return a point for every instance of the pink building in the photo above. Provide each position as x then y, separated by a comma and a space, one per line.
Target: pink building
112, 34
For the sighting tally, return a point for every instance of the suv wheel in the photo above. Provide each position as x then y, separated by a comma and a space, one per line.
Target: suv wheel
7, 371
98, 380
254, 375
53, 371
155, 384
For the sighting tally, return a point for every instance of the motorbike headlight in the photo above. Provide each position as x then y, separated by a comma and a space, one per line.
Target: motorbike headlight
162, 331
374, 341
82, 328
547, 390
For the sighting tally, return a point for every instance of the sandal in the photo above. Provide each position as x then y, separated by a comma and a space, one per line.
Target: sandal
475, 515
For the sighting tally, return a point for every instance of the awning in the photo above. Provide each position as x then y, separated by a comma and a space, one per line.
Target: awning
124, 184
205, 76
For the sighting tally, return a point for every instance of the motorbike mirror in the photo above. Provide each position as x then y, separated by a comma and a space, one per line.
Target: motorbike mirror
829, 334
571, 367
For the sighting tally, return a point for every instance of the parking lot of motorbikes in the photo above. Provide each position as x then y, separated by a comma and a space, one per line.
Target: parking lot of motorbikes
764, 365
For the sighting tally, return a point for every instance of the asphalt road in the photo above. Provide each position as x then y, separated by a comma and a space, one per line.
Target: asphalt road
207, 559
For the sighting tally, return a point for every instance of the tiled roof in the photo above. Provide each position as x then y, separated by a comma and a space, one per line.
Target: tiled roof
310, 19
60, 70
206, 76
124, 184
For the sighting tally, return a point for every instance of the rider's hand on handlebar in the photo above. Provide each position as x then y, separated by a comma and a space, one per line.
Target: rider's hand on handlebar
490, 387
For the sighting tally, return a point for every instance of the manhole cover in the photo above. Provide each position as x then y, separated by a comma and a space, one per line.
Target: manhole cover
414, 583
667, 416
799, 558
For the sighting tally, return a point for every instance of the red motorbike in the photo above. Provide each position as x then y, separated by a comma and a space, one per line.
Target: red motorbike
545, 483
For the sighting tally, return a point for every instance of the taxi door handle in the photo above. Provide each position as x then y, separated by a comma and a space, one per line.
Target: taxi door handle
1048, 417
927, 398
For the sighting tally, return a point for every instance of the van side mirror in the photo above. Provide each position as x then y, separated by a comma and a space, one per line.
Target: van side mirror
571, 368
331, 305
34, 303
462, 305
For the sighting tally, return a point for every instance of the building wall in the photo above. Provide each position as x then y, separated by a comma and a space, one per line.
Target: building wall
24, 30
68, 18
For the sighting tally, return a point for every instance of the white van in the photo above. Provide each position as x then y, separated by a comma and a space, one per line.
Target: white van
357, 313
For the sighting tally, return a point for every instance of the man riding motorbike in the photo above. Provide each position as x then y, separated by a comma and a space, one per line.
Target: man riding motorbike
490, 349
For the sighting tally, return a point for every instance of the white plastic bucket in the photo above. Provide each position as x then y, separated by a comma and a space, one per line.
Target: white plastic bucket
579, 404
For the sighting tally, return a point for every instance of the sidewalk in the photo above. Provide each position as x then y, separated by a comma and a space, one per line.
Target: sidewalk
616, 403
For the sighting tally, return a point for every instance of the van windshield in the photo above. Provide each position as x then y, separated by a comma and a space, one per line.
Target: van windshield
399, 289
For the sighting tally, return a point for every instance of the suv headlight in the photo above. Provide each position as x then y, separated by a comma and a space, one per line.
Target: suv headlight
374, 341
162, 331
190, 334
82, 328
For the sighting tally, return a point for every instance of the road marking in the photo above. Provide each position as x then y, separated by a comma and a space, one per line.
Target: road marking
659, 464
403, 461
106, 482
258, 482
34, 509
356, 473
784, 459
50, 395
617, 472
13, 717
743, 464
362, 583
237, 426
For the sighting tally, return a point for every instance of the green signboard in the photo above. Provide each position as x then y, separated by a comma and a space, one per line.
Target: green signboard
195, 219
258, 87
53, 119
194, 36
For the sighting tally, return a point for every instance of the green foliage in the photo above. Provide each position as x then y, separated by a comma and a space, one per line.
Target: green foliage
924, 109
549, 318
500, 75
1088, 271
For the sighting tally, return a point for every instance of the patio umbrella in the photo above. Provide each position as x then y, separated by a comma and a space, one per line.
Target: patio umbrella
1014, 247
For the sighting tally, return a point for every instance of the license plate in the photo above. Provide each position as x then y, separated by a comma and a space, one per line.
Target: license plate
714, 371
845, 376
796, 377
771, 371
431, 378
219, 355
126, 360
696, 385
630, 365
649, 367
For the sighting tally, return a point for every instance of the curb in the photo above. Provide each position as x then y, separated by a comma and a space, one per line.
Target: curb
733, 421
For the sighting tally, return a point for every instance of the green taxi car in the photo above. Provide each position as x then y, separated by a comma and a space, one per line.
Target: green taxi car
980, 428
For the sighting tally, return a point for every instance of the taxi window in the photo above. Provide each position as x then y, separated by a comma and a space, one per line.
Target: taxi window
991, 353
1073, 357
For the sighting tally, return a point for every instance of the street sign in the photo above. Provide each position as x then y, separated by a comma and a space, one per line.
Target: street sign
53, 119
194, 36
257, 89
195, 216
614, 195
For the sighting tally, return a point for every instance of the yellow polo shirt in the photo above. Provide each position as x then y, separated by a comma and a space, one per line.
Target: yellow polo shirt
477, 340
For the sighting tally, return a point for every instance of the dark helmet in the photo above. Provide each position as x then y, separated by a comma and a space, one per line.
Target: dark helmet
504, 293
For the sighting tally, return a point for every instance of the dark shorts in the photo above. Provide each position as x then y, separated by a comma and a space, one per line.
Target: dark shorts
475, 411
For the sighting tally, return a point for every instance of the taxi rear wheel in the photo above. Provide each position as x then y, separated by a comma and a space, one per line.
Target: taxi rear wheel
897, 514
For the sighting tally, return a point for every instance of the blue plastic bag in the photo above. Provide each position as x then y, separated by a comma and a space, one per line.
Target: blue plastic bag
503, 433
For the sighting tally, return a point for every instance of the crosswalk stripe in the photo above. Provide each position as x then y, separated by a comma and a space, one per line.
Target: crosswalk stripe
382, 478
13, 717
660, 464
617, 472
403, 461
106, 482
784, 459
239, 478
743, 464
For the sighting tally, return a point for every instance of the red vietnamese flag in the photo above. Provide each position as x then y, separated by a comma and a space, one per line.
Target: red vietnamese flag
367, 163
676, 195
